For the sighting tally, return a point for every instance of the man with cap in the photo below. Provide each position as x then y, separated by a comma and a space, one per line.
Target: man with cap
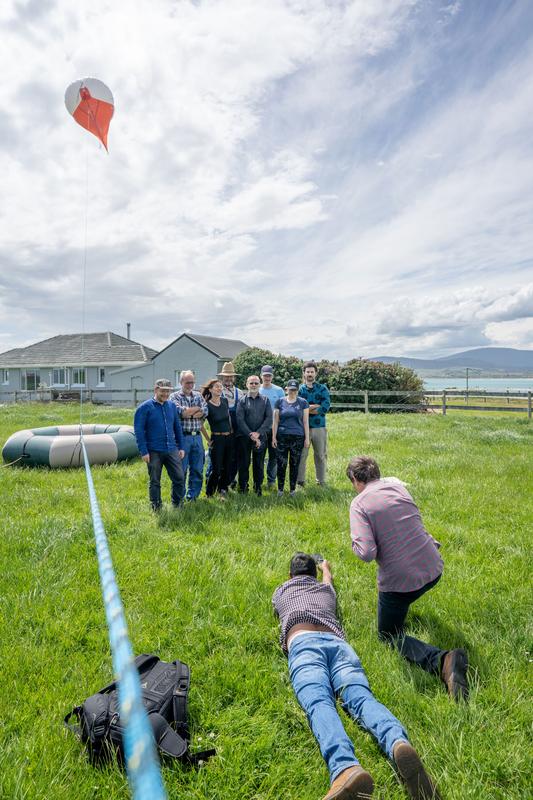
160, 441
273, 393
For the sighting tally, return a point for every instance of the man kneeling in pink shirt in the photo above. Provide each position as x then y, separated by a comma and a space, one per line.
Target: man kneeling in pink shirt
385, 525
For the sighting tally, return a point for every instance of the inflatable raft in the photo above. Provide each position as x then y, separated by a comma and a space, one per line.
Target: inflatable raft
60, 446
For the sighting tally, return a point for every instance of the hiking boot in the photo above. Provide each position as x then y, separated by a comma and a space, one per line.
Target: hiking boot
292, 492
353, 783
301, 483
280, 492
413, 774
271, 484
453, 670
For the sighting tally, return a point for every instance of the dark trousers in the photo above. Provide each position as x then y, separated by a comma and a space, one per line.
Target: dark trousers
247, 448
289, 451
392, 611
221, 456
172, 463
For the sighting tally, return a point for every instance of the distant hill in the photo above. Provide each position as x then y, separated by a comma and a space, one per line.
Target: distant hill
498, 360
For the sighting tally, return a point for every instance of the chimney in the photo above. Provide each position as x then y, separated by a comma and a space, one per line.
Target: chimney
128, 328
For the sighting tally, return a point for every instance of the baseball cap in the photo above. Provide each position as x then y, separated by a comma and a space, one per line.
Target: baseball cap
267, 370
292, 384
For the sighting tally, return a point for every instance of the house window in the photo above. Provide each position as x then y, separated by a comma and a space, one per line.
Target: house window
101, 376
78, 376
30, 379
4, 376
59, 377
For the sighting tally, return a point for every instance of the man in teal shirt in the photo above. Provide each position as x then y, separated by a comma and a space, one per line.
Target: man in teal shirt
317, 396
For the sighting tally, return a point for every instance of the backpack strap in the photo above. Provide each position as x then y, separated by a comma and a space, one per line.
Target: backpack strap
168, 741
179, 704
76, 712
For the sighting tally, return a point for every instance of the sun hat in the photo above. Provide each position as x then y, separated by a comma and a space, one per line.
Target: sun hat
228, 370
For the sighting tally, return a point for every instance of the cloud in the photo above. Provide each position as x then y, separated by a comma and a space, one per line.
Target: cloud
310, 176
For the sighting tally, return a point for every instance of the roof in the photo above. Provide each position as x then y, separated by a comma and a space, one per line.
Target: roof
225, 349
83, 349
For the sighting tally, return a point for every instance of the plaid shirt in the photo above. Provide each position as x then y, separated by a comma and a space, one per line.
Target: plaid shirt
181, 400
303, 599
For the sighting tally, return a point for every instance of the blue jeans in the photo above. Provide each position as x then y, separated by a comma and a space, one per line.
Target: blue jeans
272, 464
193, 465
323, 667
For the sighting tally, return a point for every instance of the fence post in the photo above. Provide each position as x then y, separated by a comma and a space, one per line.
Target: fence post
444, 402
529, 405
135, 397
366, 401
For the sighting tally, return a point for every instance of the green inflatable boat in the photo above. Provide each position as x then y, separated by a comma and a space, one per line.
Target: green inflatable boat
60, 446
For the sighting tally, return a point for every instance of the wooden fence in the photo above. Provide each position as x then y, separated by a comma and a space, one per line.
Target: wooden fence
342, 399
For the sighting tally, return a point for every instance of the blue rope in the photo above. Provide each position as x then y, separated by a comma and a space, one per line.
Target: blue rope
142, 763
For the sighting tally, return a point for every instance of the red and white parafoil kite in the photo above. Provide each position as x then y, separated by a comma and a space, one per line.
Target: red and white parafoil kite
91, 104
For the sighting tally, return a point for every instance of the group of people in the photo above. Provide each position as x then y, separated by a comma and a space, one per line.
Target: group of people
385, 526
239, 427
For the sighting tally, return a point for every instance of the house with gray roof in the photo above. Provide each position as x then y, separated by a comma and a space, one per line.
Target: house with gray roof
72, 361
104, 361
205, 355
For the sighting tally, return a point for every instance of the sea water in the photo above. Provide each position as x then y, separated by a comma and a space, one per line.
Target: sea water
489, 384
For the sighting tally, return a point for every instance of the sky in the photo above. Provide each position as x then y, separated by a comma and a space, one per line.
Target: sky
323, 178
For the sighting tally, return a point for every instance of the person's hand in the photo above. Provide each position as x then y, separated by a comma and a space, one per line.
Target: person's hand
325, 566
254, 436
146, 458
181, 454
274, 442
307, 443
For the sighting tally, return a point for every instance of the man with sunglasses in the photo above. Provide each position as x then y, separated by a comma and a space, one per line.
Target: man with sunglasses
254, 421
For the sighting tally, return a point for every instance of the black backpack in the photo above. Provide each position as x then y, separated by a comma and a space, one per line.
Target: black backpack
165, 687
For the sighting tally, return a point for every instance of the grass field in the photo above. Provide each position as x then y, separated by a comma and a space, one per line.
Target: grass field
197, 585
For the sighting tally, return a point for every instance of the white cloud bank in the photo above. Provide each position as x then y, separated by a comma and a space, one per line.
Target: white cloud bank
308, 176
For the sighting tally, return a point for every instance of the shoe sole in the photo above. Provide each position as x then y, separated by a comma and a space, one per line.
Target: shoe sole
457, 685
358, 787
413, 774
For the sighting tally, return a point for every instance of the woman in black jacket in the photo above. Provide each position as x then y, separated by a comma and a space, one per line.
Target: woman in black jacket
221, 438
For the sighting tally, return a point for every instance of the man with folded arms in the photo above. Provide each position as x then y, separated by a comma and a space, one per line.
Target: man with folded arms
322, 668
385, 525
192, 409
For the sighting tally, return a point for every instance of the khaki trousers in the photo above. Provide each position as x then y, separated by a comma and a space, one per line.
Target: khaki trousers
319, 443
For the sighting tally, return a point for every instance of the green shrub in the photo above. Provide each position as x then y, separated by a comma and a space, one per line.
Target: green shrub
374, 376
250, 362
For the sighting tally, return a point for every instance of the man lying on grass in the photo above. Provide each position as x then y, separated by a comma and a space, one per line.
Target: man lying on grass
385, 525
323, 666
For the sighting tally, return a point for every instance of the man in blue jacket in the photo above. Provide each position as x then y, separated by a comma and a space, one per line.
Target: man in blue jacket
317, 395
160, 442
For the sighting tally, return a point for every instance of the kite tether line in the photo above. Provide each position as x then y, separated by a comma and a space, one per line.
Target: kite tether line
142, 763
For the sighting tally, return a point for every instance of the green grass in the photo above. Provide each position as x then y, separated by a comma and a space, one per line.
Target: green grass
197, 585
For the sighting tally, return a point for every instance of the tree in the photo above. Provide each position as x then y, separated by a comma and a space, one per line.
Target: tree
249, 362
